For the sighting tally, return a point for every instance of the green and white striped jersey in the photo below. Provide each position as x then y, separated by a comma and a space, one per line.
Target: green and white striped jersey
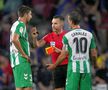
19, 28
78, 43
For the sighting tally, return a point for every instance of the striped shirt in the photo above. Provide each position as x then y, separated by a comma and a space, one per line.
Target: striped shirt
19, 28
79, 42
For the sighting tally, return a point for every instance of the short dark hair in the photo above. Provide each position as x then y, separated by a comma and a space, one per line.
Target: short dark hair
75, 17
23, 10
59, 17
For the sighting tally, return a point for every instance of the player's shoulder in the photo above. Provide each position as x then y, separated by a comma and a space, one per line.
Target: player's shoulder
67, 33
89, 34
83, 30
15, 23
18, 23
48, 35
77, 31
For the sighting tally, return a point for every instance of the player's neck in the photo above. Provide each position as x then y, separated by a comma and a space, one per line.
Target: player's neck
22, 20
75, 27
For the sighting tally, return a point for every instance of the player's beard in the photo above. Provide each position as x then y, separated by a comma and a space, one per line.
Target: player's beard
28, 20
54, 30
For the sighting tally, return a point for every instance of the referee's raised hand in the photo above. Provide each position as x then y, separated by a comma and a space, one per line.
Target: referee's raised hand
34, 32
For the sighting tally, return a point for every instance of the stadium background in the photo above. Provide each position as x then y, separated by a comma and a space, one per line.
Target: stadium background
95, 20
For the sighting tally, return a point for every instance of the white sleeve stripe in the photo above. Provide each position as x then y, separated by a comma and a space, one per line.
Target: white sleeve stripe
81, 66
17, 60
88, 66
74, 66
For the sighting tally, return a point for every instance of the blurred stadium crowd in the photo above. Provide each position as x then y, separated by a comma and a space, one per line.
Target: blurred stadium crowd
95, 20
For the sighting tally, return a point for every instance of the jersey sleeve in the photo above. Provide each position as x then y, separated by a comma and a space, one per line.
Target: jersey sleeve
46, 38
65, 41
19, 29
93, 44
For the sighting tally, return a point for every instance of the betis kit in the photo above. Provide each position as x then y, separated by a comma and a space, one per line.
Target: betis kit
21, 68
78, 43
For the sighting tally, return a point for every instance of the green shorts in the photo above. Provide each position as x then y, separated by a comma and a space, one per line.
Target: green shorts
78, 81
22, 75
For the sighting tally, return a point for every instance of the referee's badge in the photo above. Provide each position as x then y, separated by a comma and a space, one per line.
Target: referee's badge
52, 43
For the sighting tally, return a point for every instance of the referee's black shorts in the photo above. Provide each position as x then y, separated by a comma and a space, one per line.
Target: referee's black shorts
60, 74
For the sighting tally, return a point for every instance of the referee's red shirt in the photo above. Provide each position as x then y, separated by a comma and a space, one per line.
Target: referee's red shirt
57, 39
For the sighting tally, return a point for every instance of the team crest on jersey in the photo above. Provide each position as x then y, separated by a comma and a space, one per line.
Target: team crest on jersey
21, 29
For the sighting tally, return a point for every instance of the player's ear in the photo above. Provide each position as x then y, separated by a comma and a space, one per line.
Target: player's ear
25, 15
62, 23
